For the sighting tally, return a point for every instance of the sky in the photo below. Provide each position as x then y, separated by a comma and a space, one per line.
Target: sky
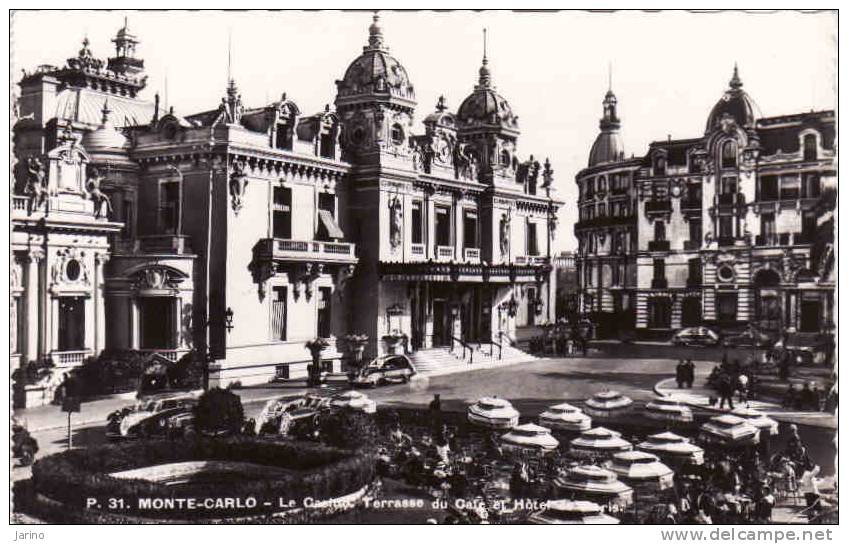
668, 68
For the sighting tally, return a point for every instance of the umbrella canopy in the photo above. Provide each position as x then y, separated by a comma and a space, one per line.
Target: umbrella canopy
599, 441
567, 512
565, 417
729, 430
530, 436
494, 413
765, 424
668, 409
607, 403
642, 467
590, 481
672, 446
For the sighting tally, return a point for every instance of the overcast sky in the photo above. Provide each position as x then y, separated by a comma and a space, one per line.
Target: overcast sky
668, 68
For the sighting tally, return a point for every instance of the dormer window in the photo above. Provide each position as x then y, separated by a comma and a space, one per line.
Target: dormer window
728, 154
659, 166
283, 138
811, 151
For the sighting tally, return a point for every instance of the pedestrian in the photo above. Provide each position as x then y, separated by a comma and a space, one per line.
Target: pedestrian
690, 373
436, 403
806, 397
809, 486
725, 391
816, 398
742, 387
680, 373
765, 504
784, 367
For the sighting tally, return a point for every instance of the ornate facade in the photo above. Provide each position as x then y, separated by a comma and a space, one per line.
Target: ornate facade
248, 232
729, 229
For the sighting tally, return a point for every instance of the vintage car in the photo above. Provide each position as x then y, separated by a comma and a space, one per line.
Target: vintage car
729, 430
167, 415
751, 338
382, 370
568, 512
804, 348
608, 404
565, 417
528, 438
669, 410
672, 448
354, 400
695, 336
493, 413
292, 414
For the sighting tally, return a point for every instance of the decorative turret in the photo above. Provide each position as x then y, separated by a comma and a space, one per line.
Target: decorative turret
608, 146
125, 61
734, 106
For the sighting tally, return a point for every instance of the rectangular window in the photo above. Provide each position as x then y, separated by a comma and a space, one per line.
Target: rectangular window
128, 219
659, 269
283, 137
327, 146
659, 313
726, 308
443, 226
417, 222
728, 185
768, 188
695, 229
812, 186
282, 210
790, 187
169, 207
71, 323
767, 228
725, 226
325, 300
278, 313
602, 210
695, 271
469, 228
659, 231
532, 242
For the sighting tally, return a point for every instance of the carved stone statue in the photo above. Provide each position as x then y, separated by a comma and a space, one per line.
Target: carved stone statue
417, 158
504, 234
238, 184
102, 203
36, 184
395, 222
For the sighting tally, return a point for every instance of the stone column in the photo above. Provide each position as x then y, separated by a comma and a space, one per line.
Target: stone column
53, 318
100, 260
30, 349
135, 326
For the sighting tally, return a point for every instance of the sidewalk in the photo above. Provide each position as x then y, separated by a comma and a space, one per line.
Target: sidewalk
95, 412
698, 397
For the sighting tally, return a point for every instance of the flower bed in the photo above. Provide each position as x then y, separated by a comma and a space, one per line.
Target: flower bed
78, 477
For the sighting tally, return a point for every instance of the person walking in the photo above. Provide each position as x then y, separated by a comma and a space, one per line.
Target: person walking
809, 486
725, 390
690, 373
680, 373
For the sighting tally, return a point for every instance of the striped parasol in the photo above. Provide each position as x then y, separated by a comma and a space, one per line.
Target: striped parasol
765, 424
599, 442
672, 448
607, 404
668, 409
642, 470
593, 483
565, 417
729, 430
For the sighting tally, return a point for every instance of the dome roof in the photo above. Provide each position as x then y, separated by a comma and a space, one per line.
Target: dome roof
105, 141
441, 117
608, 146
375, 71
736, 104
485, 106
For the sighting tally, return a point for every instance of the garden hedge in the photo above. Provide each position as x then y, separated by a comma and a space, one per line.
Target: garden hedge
318, 471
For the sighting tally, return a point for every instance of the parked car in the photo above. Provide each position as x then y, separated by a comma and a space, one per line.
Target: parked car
805, 348
695, 336
153, 417
292, 414
385, 369
748, 338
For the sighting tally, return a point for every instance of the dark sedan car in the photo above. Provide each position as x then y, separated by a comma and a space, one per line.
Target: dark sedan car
749, 338
695, 336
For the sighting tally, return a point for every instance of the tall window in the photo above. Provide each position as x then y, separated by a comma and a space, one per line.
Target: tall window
659, 166
768, 188
695, 233
728, 185
725, 226
443, 226
469, 228
71, 323
327, 146
812, 186
328, 228
728, 154
325, 300
659, 231
532, 243
128, 219
282, 210
659, 313
767, 228
726, 308
695, 271
278, 313
417, 222
659, 269
790, 187
811, 151
169, 207
283, 137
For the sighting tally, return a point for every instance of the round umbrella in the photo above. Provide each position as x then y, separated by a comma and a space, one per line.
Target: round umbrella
594, 483
607, 404
356, 401
668, 409
672, 447
565, 417
642, 470
729, 430
494, 413
529, 436
765, 424
566, 512
599, 441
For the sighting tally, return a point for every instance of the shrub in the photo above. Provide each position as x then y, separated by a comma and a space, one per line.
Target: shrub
219, 410
349, 429
316, 471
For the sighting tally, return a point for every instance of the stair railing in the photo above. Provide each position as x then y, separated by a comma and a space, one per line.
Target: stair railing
466, 348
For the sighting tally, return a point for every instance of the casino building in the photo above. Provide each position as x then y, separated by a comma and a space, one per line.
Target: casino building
731, 228
246, 232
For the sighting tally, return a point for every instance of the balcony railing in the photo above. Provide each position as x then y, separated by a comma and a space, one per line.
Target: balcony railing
694, 282
659, 245
20, 202
164, 243
417, 250
658, 206
170, 354
691, 245
691, 204
296, 250
726, 199
444, 253
70, 358
605, 221
724, 241
472, 254
659, 283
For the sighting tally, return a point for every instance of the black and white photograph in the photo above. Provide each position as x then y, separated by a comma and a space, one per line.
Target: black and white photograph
446, 267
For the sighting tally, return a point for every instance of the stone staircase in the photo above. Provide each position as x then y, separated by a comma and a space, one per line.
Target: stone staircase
441, 360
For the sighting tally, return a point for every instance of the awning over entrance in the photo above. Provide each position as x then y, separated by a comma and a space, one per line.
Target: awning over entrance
329, 223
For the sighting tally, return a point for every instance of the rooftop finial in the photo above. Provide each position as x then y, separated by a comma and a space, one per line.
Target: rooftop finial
485, 73
229, 57
375, 33
485, 60
735, 81
609, 76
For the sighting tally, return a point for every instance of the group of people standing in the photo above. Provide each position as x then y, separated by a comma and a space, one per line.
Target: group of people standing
685, 374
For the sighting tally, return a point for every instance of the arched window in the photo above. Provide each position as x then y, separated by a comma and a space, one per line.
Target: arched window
811, 151
659, 166
728, 154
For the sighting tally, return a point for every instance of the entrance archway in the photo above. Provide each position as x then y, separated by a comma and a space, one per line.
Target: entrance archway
768, 306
